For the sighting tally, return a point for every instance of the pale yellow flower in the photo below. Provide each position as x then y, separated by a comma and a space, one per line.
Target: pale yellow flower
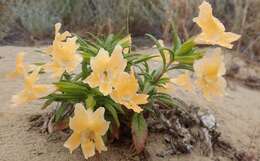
213, 31
106, 69
125, 92
31, 91
88, 128
184, 81
209, 71
19, 67
60, 36
54, 68
63, 52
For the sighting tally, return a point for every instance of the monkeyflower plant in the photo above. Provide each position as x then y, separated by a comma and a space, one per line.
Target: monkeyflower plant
102, 88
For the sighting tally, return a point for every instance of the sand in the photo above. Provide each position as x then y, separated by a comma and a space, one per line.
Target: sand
238, 115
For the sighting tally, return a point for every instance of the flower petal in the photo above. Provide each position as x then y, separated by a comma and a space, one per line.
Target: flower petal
117, 61
140, 99
93, 80
19, 68
88, 148
100, 146
73, 142
212, 89
183, 81
227, 38
79, 122
100, 125
133, 106
105, 87
100, 62
55, 68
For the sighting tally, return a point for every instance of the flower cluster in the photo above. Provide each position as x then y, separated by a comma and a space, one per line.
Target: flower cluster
108, 74
116, 85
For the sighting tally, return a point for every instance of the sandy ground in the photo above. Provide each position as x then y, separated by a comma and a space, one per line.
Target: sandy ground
238, 116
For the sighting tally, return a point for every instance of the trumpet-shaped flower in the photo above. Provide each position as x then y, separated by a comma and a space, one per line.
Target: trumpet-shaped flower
106, 69
31, 91
125, 92
88, 128
213, 31
184, 81
63, 52
209, 71
19, 68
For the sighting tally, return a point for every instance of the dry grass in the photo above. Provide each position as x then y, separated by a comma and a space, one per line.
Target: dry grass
36, 18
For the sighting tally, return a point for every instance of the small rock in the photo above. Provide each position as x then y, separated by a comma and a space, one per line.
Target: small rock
208, 120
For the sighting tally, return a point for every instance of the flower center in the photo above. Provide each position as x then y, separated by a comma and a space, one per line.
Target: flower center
87, 135
127, 98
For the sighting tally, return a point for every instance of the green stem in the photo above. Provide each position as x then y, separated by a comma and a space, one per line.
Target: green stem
163, 71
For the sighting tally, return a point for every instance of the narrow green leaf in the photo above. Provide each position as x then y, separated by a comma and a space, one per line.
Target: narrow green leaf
176, 39
113, 112
47, 103
59, 112
185, 48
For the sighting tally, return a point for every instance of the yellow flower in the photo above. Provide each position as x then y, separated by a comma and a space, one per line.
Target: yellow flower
58, 36
125, 92
213, 31
209, 71
55, 68
106, 69
31, 91
63, 52
184, 81
88, 128
19, 68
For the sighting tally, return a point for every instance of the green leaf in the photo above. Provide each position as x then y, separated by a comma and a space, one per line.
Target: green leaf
185, 48
182, 66
176, 39
65, 97
143, 58
139, 131
159, 47
166, 99
72, 87
59, 113
188, 59
47, 103
113, 112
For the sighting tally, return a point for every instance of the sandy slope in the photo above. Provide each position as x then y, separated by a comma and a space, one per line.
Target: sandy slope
238, 115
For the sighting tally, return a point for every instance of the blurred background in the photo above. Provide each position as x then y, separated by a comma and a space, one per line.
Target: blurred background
28, 22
